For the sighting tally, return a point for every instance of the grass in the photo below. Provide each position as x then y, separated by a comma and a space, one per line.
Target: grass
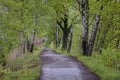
95, 64
25, 67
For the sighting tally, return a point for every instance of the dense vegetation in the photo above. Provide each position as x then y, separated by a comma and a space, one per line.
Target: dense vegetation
89, 28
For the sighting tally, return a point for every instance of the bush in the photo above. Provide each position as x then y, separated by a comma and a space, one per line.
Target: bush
3, 70
111, 58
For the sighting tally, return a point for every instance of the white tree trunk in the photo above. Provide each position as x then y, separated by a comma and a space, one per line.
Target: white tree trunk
93, 35
84, 28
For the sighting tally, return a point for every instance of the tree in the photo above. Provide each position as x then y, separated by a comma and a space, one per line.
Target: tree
70, 41
84, 27
62, 18
87, 46
66, 29
93, 35
57, 37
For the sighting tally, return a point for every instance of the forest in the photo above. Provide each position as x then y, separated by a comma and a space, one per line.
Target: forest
88, 30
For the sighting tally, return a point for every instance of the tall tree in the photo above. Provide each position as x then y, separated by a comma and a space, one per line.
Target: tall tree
84, 16
93, 35
70, 41
35, 25
66, 29
57, 37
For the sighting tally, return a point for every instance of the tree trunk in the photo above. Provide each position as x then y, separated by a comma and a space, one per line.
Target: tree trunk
34, 30
84, 28
87, 16
102, 39
93, 35
66, 29
33, 38
100, 46
57, 37
70, 42
28, 45
65, 39
22, 43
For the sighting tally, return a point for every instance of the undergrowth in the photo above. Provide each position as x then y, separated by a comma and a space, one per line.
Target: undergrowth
105, 72
25, 67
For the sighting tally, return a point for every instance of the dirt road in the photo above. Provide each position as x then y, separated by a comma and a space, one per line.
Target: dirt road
62, 67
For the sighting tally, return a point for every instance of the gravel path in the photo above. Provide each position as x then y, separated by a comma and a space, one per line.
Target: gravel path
62, 67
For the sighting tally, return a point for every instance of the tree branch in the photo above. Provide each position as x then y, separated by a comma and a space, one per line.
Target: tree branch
73, 22
60, 24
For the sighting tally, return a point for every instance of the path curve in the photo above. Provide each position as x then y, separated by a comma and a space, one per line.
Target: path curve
62, 67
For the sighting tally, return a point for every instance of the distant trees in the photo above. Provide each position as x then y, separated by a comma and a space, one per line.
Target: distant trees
8, 28
63, 20
18, 25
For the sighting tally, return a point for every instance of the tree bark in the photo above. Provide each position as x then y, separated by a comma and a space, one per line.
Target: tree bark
28, 45
66, 29
70, 42
22, 43
84, 28
93, 35
65, 39
57, 37
33, 38
100, 46
34, 32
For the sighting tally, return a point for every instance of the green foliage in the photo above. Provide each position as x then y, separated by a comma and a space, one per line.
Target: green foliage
98, 66
26, 74
4, 70
19, 15
96, 63
111, 58
25, 67
104, 72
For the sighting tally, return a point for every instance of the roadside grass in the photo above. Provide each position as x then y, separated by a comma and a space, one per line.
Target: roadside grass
96, 65
25, 67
